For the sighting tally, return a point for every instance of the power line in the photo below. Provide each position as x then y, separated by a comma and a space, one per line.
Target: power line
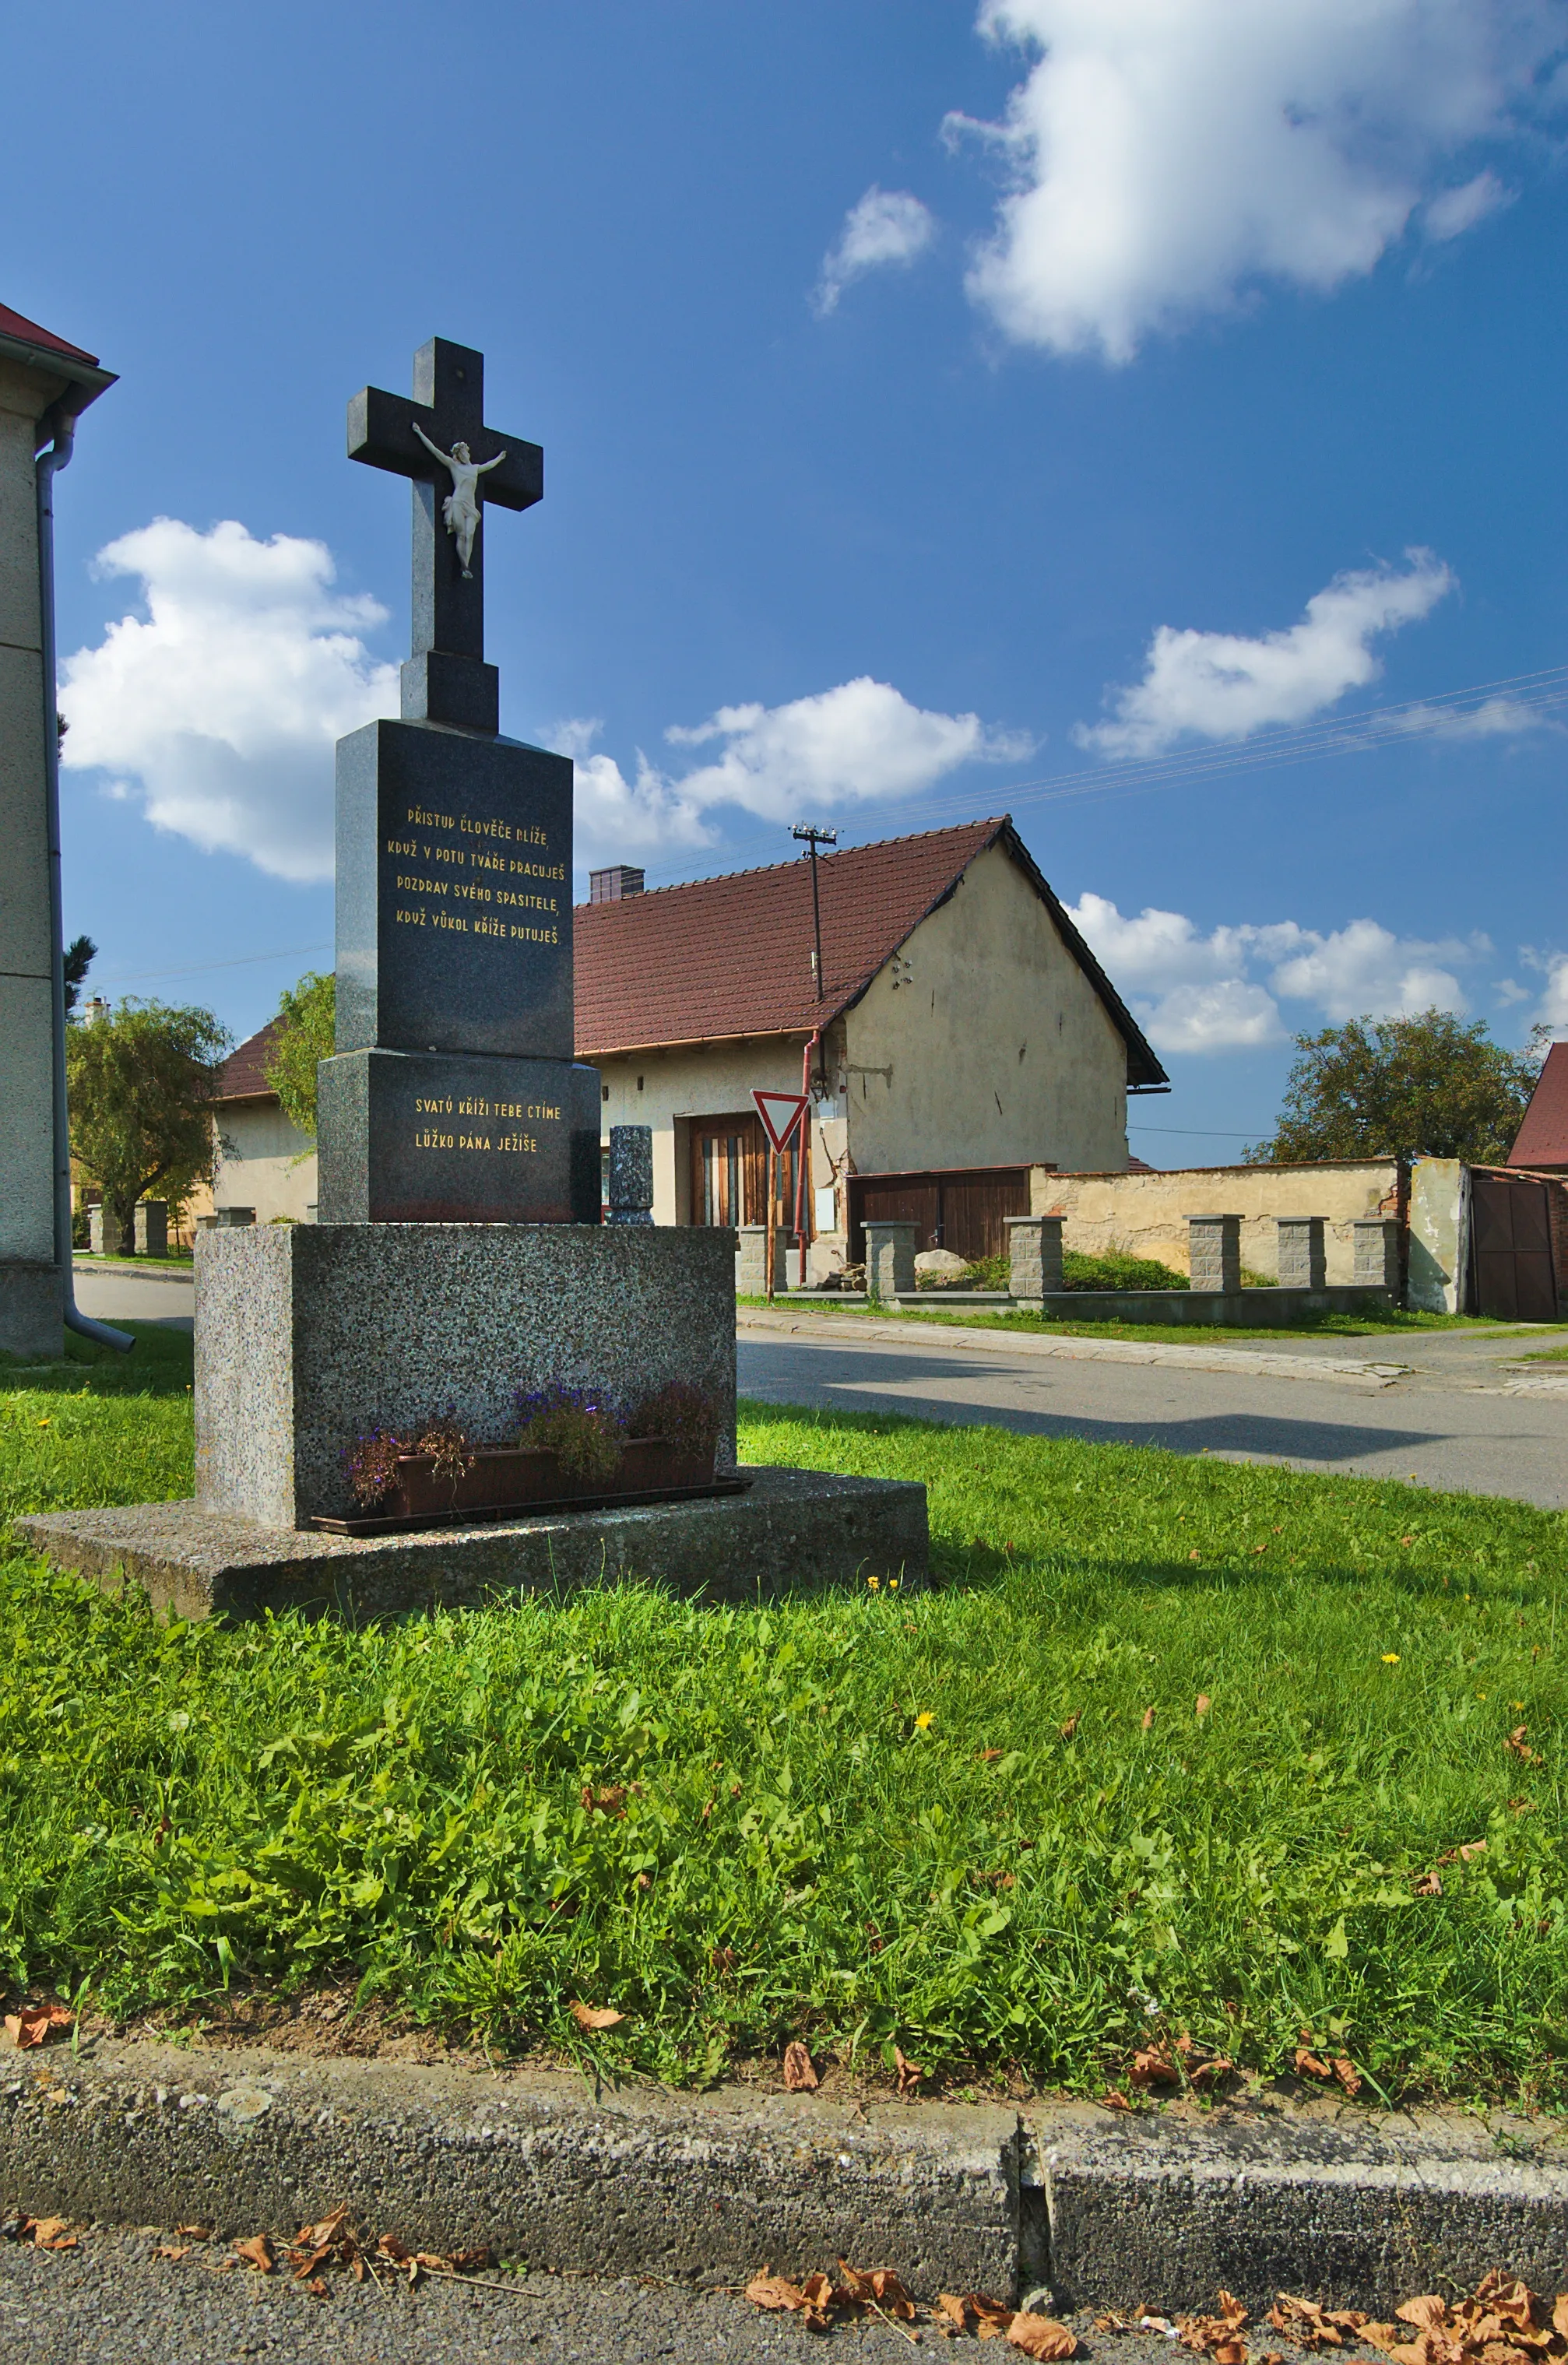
200, 969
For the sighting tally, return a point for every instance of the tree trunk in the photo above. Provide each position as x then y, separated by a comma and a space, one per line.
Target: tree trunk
125, 1213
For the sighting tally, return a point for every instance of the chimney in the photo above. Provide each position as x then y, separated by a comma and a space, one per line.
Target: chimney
614, 886
94, 1010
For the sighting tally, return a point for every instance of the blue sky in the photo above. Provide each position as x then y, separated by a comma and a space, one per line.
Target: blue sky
945, 413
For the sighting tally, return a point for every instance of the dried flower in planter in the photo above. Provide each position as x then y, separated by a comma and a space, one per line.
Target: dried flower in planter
371, 1462
446, 1442
683, 1416
582, 1426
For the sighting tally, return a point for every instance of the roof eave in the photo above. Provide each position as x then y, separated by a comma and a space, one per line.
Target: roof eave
804, 1028
84, 380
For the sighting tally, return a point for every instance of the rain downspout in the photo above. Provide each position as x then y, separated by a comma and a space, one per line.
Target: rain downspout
63, 430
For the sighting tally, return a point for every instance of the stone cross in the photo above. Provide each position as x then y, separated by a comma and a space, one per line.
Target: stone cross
446, 679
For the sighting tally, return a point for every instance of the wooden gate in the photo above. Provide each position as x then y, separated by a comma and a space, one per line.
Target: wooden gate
962, 1208
729, 1171
1510, 1250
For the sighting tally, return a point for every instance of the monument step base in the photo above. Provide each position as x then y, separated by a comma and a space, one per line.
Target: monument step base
789, 1528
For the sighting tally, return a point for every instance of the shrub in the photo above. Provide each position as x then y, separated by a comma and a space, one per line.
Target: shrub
371, 1462
1118, 1271
582, 1426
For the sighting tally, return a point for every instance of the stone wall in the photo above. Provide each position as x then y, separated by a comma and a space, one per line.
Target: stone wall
1146, 1215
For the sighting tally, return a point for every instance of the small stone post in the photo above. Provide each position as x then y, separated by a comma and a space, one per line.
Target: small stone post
151, 1228
631, 1175
103, 1231
889, 1261
1304, 1260
1376, 1253
751, 1261
1213, 1247
1034, 1257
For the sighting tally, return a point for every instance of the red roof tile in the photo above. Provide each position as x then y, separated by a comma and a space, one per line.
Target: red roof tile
731, 955
27, 333
244, 1076
1542, 1137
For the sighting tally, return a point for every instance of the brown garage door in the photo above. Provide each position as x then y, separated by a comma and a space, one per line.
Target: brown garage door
1510, 1250
964, 1209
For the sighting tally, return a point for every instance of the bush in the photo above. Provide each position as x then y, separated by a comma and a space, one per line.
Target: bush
683, 1416
1118, 1271
583, 1427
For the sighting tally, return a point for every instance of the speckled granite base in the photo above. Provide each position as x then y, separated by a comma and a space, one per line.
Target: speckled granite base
306, 1335
790, 1528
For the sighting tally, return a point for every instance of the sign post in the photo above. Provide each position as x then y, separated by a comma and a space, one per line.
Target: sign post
781, 1114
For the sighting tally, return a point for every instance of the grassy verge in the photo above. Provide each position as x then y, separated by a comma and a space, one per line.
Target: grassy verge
1166, 1743
1396, 1320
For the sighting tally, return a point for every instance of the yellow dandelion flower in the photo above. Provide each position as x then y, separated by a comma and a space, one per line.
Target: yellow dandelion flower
893, 1584
873, 1585
1391, 1658
923, 1722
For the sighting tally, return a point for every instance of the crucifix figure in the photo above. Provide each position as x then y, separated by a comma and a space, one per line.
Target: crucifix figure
439, 437
460, 507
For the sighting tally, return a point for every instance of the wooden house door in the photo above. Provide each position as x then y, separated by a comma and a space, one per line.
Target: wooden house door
729, 1172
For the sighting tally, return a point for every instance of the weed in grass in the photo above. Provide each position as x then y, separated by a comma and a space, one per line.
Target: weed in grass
938, 1822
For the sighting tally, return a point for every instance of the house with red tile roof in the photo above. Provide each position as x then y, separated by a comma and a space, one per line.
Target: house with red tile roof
959, 1042
1542, 1142
960, 1037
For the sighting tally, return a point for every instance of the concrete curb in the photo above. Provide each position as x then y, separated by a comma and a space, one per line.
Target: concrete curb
1108, 2211
185, 1278
853, 1329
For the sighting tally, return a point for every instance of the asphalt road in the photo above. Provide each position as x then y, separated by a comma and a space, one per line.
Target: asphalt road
112, 2301
1446, 1423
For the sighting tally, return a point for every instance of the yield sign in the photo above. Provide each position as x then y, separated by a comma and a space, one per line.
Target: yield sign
780, 1114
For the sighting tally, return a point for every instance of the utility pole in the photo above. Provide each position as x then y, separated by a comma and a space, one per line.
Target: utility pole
810, 836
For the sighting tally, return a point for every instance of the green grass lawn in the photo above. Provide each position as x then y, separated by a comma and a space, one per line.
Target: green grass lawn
1397, 1319
987, 1820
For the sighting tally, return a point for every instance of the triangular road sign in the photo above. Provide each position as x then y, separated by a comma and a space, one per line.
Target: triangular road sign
780, 1114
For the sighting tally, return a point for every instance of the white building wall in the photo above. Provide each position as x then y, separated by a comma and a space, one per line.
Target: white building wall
260, 1165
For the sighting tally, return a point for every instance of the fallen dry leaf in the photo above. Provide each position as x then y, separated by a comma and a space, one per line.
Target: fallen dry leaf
1349, 2076
800, 2069
877, 2287
1560, 2315
608, 1801
1152, 2067
1428, 1886
953, 2310
1308, 2326
172, 2250
257, 2252
1209, 2073
1070, 1727
196, 2233
49, 2233
1203, 1705
1148, 1712
909, 2072
987, 1757
1308, 2063
993, 2316
317, 2286
1514, 1743
1041, 2336
35, 2022
601, 2016
1114, 2100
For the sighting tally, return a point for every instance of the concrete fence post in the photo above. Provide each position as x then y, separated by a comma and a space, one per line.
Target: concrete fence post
103, 1231
151, 1228
1303, 1258
1215, 1252
1376, 1253
751, 1259
889, 1260
1033, 1256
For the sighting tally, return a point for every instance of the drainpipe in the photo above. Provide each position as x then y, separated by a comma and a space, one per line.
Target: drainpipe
62, 430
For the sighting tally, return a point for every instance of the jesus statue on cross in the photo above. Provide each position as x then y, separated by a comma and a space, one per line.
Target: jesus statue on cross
460, 507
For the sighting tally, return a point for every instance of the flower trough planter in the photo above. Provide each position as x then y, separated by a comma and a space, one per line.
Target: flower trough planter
508, 1481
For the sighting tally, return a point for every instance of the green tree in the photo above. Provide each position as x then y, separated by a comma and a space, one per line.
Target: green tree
307, 1011
80, 955
1400, 1087
141, 1085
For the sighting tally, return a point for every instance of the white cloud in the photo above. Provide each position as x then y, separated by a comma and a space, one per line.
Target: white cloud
1222, 991
857, 742
1223, 686
1168, 156
1453, 211
1552, 1011
222, 703
618, 820
888, 226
